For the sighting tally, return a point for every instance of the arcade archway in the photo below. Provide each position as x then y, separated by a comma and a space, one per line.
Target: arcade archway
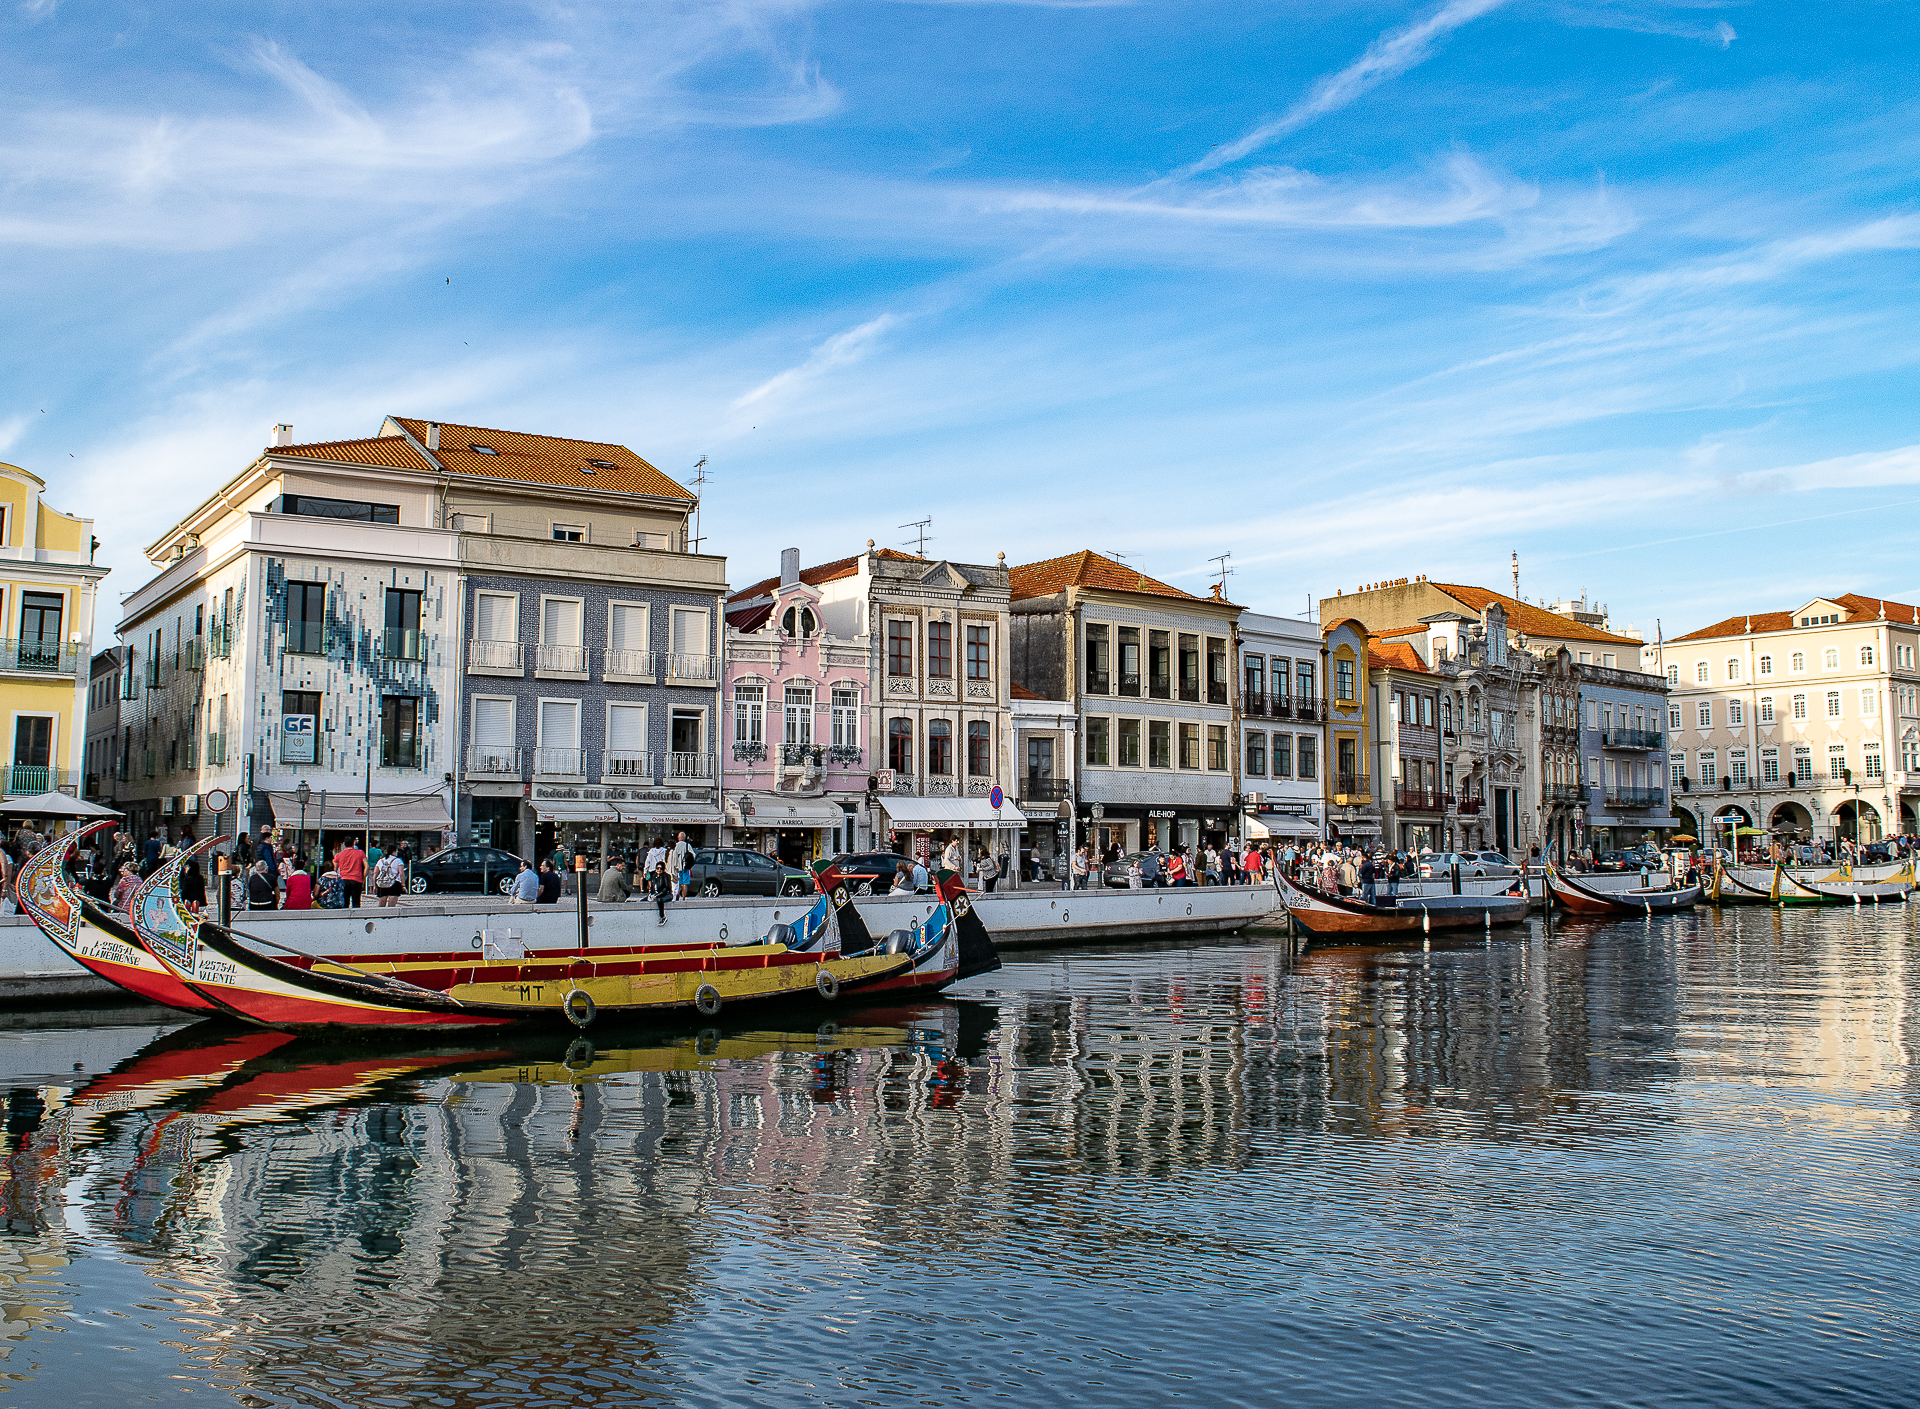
1856, 821
1791, 817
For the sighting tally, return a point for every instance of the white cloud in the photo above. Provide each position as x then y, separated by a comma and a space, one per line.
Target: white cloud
840, 350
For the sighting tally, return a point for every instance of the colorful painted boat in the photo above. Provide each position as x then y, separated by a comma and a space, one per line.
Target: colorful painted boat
1841, 888
1341, 919
91, 935
1578, 899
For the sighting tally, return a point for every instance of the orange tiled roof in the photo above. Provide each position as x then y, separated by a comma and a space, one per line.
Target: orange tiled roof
1417, 629
1021, 692
389, 452
546, 459
1087, 569
1535, 621
1397, 654
1858, 608
826, 572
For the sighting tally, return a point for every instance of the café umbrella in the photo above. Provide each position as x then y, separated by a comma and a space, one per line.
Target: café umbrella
54, 804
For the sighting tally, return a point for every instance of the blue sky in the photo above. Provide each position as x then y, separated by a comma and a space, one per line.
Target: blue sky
1350, 290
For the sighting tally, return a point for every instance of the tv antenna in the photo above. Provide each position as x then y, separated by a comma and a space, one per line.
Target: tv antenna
922, 537
699, 485
1223, 571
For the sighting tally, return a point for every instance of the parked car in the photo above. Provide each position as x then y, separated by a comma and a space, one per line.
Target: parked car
1118, 874
465, 870
737, 871
1876, 852
870, 872
1474, 865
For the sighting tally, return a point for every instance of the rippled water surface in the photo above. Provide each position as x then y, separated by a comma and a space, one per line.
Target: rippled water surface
1663, 1162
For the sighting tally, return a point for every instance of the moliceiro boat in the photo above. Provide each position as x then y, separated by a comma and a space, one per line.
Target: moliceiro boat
1342, 919
1578, 899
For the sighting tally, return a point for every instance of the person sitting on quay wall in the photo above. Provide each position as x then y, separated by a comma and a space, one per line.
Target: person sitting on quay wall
613, 883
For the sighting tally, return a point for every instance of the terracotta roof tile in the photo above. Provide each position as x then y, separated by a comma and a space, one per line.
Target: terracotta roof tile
826, 572
1534, 621
546, 459
389, 452
1087, 569
1397, 654
1021, 692
1858, 608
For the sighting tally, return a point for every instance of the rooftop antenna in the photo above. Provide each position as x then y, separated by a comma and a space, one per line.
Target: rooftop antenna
922, 538
1516, 577
699, 484
1223, 571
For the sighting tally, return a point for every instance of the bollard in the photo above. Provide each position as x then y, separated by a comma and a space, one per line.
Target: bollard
1456, 878
226, 896
580, 893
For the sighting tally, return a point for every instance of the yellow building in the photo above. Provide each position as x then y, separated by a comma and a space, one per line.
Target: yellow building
47, 586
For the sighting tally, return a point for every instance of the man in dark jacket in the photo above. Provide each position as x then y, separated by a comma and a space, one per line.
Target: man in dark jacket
1368, 875
549, 885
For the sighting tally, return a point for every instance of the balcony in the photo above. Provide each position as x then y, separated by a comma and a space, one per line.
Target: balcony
1190, 690
1567, 793
1417, 799
147, 764
755, 752
1160, 687
1306, 708
41, 657
1045, 790
193, 654
1470, 806
626, 766
306, 638
403, 643
220, 640
1352, 789
27, 780
396, 753
628, 665
690, 767
699, 669
566, 661
1130, 685
216, 750
1099, 683
1253, 704
846, 755
1216, 692
559, 763
493, 760
801, 755
153, 674
1635, 797
1633, 739
494, 658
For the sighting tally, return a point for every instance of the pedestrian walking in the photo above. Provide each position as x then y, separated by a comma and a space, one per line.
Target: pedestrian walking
988, 872
350, 863
681, 860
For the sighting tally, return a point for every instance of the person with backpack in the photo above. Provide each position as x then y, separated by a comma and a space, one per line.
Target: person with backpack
389, 880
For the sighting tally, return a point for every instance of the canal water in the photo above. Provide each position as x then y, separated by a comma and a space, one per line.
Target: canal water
1661, 1162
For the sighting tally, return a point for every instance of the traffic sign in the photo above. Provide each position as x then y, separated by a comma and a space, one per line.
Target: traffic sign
219, 800
996, 797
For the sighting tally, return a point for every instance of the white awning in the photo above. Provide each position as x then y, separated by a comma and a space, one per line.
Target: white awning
426, 812
668, 814
1281, 824
574, 810
944, 814
772, 810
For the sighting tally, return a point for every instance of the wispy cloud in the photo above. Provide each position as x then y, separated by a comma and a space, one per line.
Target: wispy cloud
841, 350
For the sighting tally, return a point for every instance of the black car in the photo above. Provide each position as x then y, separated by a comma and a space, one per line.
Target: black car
871, 872
465, 870
737, 871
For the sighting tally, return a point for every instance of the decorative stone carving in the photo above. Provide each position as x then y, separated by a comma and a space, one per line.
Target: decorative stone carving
979, 689
899, 687
939, 787
943, 688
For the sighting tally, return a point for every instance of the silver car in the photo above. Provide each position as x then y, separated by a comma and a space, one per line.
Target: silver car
1474, 865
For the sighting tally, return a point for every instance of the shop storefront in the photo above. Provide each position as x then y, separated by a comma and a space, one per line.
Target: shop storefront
922, 826
1131, 827
599, 823
796, 830
329, 822
1283, 824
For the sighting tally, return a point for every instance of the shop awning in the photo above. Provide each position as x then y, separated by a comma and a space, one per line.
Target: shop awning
772, 810
574, 810
1282, 824
944, 814
667, 814
426, 812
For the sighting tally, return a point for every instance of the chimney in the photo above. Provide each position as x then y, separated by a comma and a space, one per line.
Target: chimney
789, 566
433, 435
283, 435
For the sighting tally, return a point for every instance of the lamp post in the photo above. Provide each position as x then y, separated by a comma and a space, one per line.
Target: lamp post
1097, 862
303, 795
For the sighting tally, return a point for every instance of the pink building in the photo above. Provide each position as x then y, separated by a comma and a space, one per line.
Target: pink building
793, 745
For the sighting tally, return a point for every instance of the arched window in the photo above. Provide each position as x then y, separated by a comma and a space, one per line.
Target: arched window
940, 747
1766, 665
1866, 655
1700, 672
1673, 675
798, 621
1733, 669
1833, 660
1798, 660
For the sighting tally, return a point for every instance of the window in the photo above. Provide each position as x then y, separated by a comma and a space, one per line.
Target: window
979, 653
1217, 747
1769, 765
899, 649
980, 748
1833, 704
1904, 654
483, 449
1039, 764
1282, 669
1306, 747
1216, 670
569, 533
1799, 706
1189, 745
1098, 682
1705, 714
1190, 667
799, 715
1869, 703
1709, 769
1253, 681
940, 747
1803, 764
685, 731
1256, 755
1837, 761
749, 715
1866, 655
627, 640
560, 650
846, 718
1833, 660
1303, 676
493, 737
900, 745
1159, 665
1766, 665
1426, 711
1870, 758
1673, 675
306, 618
1736, 712
1343, 680
1283, 755
1446, 715
688, 642
471, 523
626, 755
1910, 755
1737, 767
798, 622
1128, 682
1606, 659
940, 650
402, 641
1678, 764
495, 617
1700, 672
1766, 709
400, 732
308, 506
1128, 737
1733, 669
1097, 742
557, 749
1797, 661
1159, 744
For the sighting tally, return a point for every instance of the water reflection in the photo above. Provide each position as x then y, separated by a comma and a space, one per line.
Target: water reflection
1103, 1173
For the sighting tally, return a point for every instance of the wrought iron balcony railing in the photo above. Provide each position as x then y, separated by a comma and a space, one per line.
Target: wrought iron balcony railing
494, 655
493, 760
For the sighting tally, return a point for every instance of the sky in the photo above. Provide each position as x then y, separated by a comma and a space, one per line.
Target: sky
1349, 291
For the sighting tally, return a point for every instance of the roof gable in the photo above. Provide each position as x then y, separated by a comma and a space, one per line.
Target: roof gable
1847, 607
385, 452
815, 576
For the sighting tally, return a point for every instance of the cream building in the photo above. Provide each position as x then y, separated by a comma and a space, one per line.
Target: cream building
1806, 720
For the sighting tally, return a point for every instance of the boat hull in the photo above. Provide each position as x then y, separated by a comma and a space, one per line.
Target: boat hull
1576, 899
1335, 918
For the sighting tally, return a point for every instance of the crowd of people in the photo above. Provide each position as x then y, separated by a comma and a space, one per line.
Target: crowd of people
270, 873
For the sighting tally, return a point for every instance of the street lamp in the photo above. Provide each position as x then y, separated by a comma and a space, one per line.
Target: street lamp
1099, 812
303, 795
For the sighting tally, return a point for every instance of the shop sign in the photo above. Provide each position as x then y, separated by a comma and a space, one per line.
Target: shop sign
1161, 816
547, 793
298, 739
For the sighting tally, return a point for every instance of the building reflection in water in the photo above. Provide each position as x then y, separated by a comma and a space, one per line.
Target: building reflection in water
538, 1221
